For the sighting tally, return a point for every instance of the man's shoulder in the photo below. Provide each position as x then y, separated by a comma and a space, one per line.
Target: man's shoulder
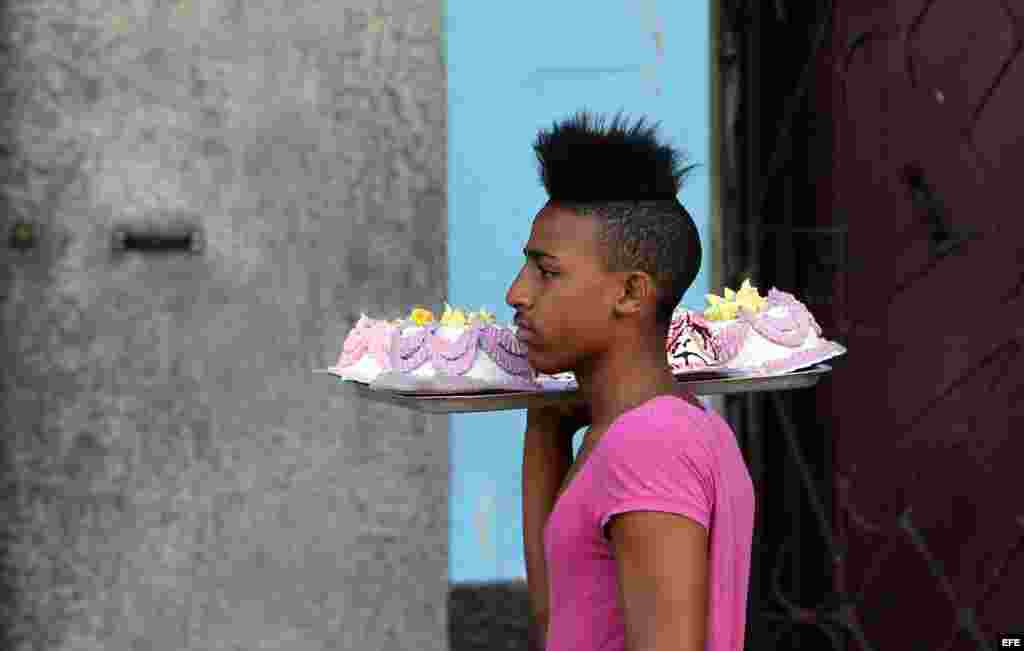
678, 422
677, 438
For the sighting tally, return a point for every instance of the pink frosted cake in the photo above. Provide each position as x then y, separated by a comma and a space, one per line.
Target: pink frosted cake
746, 332
465, 352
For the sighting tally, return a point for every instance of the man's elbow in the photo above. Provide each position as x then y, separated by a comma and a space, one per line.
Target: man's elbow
538, 631
671, 637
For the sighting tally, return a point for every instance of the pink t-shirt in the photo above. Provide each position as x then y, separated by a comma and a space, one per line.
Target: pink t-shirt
665, 455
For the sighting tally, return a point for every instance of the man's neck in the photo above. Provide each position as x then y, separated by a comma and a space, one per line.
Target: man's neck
625, 378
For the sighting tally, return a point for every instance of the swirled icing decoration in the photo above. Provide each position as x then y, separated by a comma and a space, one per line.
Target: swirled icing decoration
454, 357
800, 359
731, 339
502, 346
368, 336
790, 329
690, 343
409, 352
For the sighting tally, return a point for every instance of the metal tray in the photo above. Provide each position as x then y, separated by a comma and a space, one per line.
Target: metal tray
505, 400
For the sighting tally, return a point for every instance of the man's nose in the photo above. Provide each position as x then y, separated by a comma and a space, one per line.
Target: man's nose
515, 296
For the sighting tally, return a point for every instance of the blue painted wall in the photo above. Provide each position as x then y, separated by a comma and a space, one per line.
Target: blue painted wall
514, 68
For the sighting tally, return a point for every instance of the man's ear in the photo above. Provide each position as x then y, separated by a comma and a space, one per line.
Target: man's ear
638, 289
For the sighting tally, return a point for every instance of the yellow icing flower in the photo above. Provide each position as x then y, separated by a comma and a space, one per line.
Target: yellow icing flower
455, 318
486, 317
719, 308
726, 307
421, 316
750, 298
721, 312
482, 316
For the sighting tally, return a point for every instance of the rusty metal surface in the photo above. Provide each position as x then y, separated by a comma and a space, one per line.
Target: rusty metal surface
925, 135
910, 163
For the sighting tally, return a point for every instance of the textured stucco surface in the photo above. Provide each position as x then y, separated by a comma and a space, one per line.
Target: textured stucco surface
173, 476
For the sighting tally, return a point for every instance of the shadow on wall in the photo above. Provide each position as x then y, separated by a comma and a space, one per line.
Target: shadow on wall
489, 616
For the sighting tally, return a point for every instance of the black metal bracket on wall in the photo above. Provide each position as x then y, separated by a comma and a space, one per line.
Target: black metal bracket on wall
150, 238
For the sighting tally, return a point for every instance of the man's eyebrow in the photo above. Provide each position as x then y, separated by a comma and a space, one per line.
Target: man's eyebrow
534, 253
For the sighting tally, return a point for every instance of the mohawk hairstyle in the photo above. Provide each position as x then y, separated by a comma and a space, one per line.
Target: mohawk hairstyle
622, 176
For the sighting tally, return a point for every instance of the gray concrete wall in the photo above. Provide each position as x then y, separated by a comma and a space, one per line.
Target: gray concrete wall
173, 476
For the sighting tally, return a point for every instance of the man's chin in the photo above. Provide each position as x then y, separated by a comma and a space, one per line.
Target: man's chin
547, 367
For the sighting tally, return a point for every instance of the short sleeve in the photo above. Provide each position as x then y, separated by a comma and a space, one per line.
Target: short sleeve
654, 471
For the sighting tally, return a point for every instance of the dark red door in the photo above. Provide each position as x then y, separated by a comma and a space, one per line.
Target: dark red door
926, 415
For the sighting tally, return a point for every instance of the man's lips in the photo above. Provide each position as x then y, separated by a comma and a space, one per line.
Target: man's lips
523, 331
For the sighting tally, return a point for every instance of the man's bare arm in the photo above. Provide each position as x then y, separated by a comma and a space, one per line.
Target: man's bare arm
546, 460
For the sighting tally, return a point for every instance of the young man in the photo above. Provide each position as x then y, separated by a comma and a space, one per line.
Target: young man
644, 542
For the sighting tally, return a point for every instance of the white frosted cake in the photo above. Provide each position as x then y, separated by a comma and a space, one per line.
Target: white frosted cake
459, 352
739, 332
746, 332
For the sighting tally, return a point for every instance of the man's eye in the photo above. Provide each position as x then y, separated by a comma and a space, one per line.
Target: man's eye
550, 274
